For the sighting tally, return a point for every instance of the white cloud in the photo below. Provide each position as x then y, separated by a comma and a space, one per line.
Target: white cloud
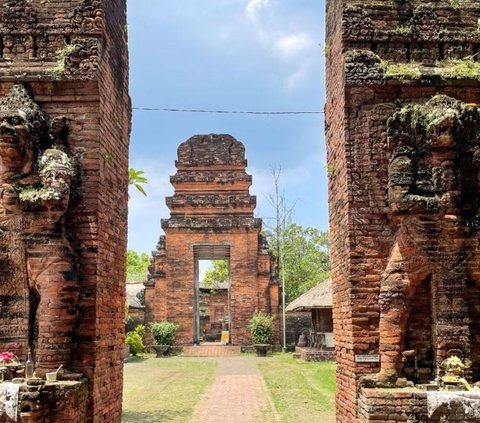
255, 6
292, 44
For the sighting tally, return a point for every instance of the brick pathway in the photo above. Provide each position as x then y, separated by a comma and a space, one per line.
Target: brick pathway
210, 350
238, 395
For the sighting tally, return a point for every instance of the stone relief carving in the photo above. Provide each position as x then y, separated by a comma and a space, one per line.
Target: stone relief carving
425, 23
82, 60
395, 52
363, 67
87, 18
21, 46
433, 197
426, 54
36, 173
73, 46
356, 24
18, 16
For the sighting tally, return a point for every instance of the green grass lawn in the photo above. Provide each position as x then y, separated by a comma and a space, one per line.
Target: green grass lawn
164, 389
302, 392
167, 390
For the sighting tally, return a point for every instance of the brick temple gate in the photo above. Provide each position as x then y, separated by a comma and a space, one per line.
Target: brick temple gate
402, 139
211, 219
64, 135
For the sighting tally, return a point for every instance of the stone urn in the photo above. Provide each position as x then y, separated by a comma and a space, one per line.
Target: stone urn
162, 350
261, 349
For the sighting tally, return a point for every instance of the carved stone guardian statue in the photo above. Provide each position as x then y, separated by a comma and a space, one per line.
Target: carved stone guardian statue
433, 197
36, 174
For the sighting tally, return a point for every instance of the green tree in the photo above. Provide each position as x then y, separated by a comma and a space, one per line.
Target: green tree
137, 266
306, 253
216, 274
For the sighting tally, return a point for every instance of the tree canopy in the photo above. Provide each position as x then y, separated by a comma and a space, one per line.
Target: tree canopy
307, 258
216, 274
137, 266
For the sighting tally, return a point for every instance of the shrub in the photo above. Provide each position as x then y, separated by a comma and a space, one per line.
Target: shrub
140, 330
164, 332
135, 342
261, 327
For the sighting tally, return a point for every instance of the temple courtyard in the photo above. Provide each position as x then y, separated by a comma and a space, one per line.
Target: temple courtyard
243, 389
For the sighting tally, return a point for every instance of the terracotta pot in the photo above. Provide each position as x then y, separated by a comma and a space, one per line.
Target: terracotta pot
161, 350
261, 349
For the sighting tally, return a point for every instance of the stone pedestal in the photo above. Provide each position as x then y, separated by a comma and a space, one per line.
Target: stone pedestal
58, 402
412, 405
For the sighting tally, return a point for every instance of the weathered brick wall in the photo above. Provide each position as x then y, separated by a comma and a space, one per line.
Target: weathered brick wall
409, 405
361, 98
335, 118
87, 83
211, 205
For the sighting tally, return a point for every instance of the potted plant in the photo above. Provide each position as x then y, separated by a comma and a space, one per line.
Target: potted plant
261, 327
9, 365
134, 343
164, 336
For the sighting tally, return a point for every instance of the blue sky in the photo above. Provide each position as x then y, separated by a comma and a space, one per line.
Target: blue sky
228, 55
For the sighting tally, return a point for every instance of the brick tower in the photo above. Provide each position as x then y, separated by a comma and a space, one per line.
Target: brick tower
64, 135
211, 218
402, 141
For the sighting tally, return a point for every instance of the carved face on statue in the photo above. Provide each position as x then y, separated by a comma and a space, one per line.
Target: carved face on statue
14, 142
441, 133
56, 170
21, 126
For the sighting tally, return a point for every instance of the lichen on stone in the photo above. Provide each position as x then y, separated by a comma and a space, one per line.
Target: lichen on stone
460, 69
402, 71
366, 57
32, 194
417, 120
62, 56
55, 166
53, 161
452, 69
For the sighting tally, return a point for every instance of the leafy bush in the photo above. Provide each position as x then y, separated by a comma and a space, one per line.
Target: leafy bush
261, 327
135, 342
164, 332
140, 330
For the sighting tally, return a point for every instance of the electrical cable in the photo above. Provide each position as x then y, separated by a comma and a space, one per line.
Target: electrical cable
236, 112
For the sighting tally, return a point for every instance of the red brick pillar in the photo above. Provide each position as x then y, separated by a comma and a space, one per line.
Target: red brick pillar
382, 56
71, 56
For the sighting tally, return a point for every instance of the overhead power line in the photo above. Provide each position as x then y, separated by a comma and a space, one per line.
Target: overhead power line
226, 112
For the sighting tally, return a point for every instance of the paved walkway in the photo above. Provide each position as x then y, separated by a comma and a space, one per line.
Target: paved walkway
211, 350
238, 395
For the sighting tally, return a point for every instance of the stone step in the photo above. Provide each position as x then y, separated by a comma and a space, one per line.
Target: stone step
210, 350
